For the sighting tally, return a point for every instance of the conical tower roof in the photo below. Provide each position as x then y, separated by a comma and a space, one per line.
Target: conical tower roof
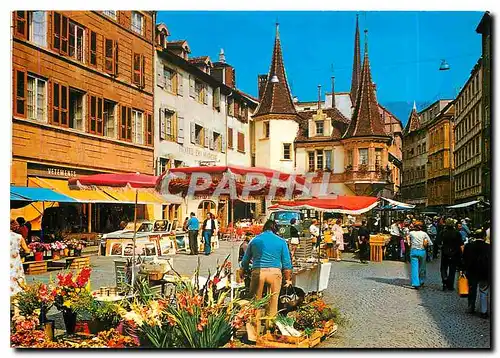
276, 98
356, 65
366, 119
413, 122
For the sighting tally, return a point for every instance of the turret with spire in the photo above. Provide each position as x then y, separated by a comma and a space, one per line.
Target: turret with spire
414, 121
276, 97
366, 119
356, 65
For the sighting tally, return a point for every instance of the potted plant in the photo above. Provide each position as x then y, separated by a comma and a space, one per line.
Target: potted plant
72, 295
38, 248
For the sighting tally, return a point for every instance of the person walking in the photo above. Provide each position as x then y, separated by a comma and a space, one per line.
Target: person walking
338, 235
477, 264
463, 233
314, 231
270, 262
294, 238
193, 227
364, 241
208, 230
419, 241
451, 251
432, 232
395, 240
17, 243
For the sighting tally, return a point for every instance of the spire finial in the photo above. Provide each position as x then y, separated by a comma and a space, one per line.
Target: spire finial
277, 28
414, 105
319, 96
222, 57
366, 41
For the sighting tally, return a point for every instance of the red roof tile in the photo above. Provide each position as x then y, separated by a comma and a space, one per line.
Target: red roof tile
413, 122
356, 65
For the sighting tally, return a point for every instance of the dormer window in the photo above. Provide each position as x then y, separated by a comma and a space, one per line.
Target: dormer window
320, 128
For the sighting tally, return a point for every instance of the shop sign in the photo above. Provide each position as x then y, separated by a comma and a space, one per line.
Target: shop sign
196, 152
55, 172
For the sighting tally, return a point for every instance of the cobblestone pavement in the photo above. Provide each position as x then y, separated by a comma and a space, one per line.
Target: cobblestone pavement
381, 310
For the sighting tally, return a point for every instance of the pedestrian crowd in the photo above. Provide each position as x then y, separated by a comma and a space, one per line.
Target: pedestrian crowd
462, 250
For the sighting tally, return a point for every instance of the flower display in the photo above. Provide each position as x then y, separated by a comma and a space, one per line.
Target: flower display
73, 293
34, 298
37, 246
58, 245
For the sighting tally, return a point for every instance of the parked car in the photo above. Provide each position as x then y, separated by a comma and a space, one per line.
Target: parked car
283, 217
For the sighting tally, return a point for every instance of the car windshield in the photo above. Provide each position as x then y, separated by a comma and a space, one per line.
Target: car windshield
284, 217
145, 227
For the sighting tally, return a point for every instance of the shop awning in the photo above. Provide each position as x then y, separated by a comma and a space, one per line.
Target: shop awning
353, 205
38, 194
126, 195
463, 205
397, 205
81, 196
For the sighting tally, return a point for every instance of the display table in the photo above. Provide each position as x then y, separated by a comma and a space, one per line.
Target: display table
307, 278
377, 243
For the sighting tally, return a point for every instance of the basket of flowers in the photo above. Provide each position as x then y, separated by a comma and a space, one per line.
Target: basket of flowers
38, 248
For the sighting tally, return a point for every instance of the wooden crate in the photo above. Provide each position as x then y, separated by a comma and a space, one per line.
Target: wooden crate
315, 338
273, 341
377, 243
79, 262
36, 267
329, 329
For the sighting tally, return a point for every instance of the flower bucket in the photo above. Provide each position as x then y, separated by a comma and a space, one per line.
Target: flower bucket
69, 321
56, 255
38, 256
66, 252
71, 252
82, 327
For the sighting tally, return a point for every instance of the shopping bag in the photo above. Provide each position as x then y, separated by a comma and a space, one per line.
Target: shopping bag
462, 285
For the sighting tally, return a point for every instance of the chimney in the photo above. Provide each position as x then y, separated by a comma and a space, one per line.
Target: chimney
262, 79
319, 96
222, 57
375, 89
224, 72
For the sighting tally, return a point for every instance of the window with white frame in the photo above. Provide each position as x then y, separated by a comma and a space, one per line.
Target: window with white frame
319, 160
37, 99
111, 13
199, 134
38, 27
137, 22
378, 158
217, 140
287, 151
168, 125
328, 159
76, 41
170, 80
109, 119
76, 109
363, 156
138, 125
310, 161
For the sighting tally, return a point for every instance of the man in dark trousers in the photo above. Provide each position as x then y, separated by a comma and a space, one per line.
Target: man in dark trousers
477, 269
364, 242
193, 226
208, 229
451, 253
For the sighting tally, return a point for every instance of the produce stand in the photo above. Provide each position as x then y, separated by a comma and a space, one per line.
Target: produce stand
306, 277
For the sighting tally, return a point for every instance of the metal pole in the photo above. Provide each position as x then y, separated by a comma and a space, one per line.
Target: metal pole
133, 239
319, 248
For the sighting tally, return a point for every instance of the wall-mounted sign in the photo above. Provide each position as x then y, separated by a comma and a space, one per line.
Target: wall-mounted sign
198, 152
47, 171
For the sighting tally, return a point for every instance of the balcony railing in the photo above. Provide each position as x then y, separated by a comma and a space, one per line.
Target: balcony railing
364, 174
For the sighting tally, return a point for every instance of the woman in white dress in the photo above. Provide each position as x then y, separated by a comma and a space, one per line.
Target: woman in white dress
17, 279
338, 233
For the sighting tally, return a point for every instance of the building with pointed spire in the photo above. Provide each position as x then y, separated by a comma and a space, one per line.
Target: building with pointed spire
276, 121
356, 65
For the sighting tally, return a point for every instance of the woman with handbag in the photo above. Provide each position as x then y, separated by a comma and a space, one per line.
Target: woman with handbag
419, 241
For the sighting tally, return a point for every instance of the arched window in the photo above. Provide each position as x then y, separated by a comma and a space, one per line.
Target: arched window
206, 206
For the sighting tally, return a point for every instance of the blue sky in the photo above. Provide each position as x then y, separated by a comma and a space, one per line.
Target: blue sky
405, 49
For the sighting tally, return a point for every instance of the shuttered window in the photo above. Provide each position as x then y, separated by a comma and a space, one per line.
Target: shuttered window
96, 109
60, 103
148, 130
230, 138
60, 29
93, 48
126, 123
20, 81
241, 142
139, 63
21, 24
111, 56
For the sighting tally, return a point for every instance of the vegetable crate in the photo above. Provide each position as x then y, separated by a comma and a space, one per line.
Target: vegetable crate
269, 340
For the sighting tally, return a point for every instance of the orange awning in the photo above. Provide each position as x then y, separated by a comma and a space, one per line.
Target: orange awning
61, 186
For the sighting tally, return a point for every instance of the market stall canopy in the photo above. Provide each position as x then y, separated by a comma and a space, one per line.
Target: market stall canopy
343, 204
179, 179
397, 205
121, 188
80, 196
27, 194
463, 205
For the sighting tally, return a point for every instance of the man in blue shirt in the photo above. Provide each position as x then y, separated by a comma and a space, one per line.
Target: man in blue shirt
270, 261
193, 226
